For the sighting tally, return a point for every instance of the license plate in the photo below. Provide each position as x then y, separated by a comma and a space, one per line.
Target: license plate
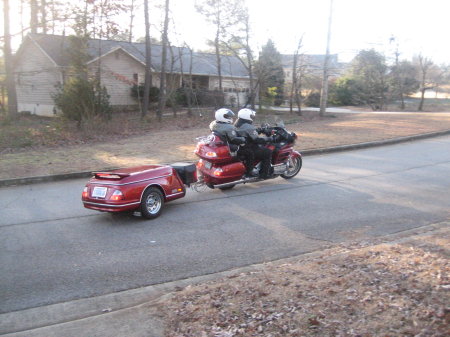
208, 164
99, 192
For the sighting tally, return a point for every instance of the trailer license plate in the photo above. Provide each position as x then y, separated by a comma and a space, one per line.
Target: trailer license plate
99, 192
208, 165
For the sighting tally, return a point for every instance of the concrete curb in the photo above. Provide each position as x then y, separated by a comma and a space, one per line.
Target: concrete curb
374, 143
101, 313
88, 174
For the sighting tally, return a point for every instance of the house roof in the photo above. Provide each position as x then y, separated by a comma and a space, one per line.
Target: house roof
314, 60
202, 63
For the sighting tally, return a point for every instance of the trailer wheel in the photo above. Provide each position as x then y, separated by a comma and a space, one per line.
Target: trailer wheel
152, 203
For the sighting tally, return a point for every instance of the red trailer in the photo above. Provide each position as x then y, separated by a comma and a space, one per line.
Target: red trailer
144, 188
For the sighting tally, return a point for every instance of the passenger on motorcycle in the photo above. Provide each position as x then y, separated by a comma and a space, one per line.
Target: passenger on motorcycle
223, 127
246, 129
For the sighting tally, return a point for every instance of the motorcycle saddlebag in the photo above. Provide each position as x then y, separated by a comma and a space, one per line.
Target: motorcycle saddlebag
187, 172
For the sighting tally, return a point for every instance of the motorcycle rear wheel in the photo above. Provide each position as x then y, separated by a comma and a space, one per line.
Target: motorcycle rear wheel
229, 187
294, 167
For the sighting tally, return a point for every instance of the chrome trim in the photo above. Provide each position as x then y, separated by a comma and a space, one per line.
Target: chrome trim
143, 191
237, 182
134, 182
171, 195
108, 205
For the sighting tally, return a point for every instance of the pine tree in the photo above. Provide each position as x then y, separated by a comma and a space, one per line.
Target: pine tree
271, 75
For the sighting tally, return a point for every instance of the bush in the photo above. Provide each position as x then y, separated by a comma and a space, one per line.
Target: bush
137, 92
80, 99
312, 99
341, 92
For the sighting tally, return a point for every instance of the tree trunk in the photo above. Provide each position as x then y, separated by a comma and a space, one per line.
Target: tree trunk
10, 81
294, 81
130, 37
298, 98
162, 83
424, 64
85, 20
422, 98
22, 28
33, 16
43, 10
219, 64
191, 89
148, 62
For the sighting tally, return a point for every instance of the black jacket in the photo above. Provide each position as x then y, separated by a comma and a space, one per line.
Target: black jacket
246, 129
226, 132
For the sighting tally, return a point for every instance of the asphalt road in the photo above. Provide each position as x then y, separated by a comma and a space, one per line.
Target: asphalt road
53, 250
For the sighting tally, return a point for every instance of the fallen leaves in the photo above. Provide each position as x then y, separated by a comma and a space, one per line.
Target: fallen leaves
397, 289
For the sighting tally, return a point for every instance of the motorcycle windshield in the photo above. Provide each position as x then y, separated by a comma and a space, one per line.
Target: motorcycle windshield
273, 121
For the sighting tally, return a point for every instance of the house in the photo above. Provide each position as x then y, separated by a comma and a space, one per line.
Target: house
41, 65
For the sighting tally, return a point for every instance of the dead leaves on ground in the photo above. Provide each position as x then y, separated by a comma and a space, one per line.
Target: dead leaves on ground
383, 290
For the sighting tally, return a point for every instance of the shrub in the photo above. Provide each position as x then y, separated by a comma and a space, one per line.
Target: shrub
313, 99
341, 92
81, 99
137, 92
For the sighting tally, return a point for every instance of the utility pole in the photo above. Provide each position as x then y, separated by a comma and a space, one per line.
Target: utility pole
324, 93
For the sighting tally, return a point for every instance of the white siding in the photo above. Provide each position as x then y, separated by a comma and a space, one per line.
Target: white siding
36, 78
117, 70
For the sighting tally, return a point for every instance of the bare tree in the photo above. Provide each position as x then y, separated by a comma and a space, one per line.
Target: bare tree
43, 11
190, 91
297, 76
162, 83
239, 46
424, 66
34, 16
223, 14
10, 83
130, 36
148, 62
22, 27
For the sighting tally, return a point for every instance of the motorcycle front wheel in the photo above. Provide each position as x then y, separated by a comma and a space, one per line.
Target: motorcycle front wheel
294, 166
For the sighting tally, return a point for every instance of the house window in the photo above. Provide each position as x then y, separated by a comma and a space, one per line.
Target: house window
136, 78
117, 55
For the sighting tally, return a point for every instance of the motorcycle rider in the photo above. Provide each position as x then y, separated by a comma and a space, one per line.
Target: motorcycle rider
245, 128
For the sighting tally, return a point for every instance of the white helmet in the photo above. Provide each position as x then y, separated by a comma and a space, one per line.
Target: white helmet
247, 114
224, 115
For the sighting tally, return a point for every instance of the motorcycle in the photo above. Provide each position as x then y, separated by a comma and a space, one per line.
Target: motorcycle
221, 167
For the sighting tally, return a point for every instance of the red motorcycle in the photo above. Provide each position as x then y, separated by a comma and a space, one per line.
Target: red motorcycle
221, 167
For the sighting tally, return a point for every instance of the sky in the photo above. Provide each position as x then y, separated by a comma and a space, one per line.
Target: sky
418, 26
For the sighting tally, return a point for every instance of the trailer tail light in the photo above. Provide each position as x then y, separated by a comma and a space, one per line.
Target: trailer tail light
117, 196
85, 193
